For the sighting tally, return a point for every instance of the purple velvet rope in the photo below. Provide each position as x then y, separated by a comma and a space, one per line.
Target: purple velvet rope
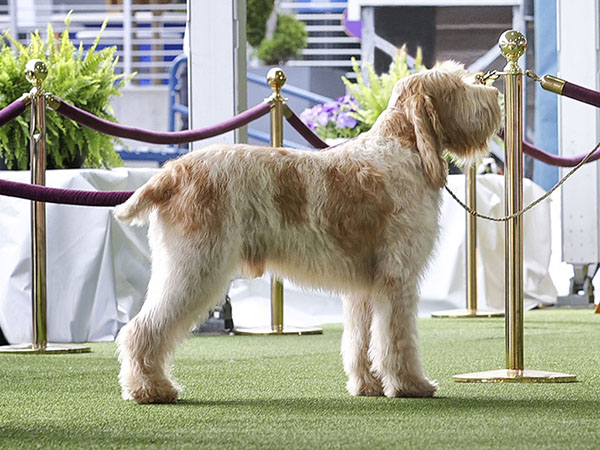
551, 159
581, 94
13, 110
304, 131
176, 137
555, 160
63, 196
113, 198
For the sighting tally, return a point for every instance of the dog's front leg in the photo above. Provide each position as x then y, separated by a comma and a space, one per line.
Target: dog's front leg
355, 345
393, 349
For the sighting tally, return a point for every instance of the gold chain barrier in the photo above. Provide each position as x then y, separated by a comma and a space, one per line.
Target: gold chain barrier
513, 45
36, 72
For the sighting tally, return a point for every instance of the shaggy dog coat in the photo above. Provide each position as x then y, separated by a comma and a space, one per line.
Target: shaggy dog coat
360, 219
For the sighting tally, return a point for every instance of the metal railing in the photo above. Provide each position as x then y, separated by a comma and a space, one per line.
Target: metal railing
148, 37
328, 44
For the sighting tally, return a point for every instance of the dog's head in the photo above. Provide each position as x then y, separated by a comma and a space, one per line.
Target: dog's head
447, 113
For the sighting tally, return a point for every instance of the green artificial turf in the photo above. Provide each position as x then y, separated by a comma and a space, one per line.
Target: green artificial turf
288, 392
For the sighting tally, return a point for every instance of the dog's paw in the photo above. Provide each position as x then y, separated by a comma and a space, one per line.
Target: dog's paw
153, 394
367, 386
412, 388
126, 395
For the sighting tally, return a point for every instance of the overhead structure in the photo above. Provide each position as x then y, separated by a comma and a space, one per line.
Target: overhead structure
363, 10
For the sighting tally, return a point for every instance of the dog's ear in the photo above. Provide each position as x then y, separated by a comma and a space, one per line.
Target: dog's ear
428, 136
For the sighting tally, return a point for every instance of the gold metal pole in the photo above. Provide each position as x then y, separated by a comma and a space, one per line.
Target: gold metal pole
276, 79
470, 257
276, 305
513, 202
513, 45
471, 240
36, 72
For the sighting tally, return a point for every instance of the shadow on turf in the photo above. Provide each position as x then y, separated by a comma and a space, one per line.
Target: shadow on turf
368, 405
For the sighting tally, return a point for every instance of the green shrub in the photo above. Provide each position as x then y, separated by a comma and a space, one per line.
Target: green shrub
257, 14
373, 97
289, 38
85, 79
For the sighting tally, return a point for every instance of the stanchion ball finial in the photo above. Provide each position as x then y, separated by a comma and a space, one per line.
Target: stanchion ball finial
276, 79
36, 72
512, 44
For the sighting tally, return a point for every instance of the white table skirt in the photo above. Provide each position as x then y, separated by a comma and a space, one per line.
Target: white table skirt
98, 268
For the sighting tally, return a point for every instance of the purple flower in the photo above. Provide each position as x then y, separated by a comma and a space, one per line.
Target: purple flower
331, 107
344, 120
322, 118
348, 100
307, 116
331, 114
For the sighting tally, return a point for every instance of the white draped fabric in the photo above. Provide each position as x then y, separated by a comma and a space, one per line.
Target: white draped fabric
98, 268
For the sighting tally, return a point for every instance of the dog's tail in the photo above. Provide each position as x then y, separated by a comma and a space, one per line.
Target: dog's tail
156, 191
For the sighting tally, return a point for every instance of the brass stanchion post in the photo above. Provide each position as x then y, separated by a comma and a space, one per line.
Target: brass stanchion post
471, 240
470, 257
36, 72
513, 45
276, 79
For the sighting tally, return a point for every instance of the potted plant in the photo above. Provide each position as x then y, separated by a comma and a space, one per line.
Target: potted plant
85, 78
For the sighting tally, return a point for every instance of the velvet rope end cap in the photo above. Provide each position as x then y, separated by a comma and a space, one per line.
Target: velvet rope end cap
552, 84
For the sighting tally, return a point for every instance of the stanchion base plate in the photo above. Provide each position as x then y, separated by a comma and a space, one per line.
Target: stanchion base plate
467, 313
27, 349
269, 331
515, 376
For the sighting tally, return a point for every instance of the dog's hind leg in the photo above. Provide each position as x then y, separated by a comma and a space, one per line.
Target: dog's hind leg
187, 281
394, 348
355, 345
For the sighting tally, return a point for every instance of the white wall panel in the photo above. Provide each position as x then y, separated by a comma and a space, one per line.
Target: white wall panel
579, 129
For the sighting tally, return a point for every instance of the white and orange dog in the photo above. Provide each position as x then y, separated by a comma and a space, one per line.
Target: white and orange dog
359, 219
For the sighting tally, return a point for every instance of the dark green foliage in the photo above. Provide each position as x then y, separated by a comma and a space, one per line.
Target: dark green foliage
289, 38
85, 79
257, 14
